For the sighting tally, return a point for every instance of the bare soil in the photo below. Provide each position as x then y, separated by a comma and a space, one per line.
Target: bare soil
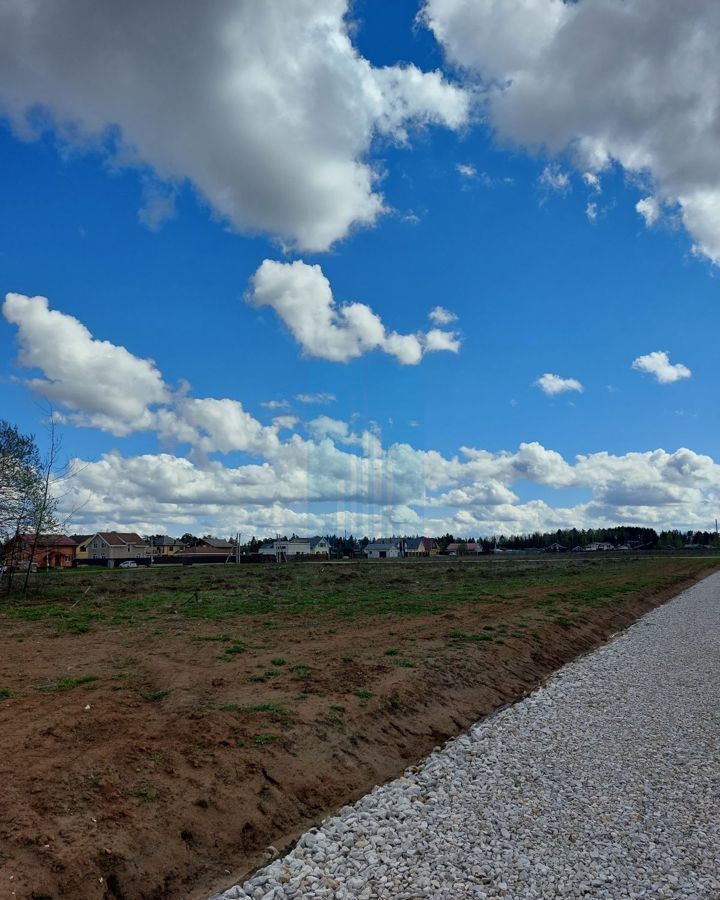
161, 759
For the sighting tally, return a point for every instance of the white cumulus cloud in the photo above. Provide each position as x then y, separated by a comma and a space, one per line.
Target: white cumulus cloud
553, 384
649, 209
267, 109
603, 82
438, 315
101, 383
301, 295
555, 179
321, 398
658, 364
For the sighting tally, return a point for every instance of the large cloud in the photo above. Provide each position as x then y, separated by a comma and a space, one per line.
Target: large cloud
301, 295
629, 81
266, 108
102, 384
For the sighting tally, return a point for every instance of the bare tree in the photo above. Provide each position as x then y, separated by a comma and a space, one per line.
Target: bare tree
28, 493
46, 501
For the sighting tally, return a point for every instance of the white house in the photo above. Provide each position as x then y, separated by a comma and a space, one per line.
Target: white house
388, 549
313, 546
599, 545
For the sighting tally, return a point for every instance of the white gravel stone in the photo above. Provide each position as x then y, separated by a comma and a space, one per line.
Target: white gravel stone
605, 783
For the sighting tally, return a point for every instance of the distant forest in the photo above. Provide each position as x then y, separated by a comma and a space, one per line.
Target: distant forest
626, 535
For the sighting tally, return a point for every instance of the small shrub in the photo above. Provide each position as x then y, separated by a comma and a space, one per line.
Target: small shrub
278, 661
363, 694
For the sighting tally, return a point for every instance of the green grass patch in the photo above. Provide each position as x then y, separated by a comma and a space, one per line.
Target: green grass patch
5, 694
462, 637
154, 696
67, 684
145, 792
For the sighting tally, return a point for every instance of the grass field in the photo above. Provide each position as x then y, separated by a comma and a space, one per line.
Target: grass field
159, 728
74, 601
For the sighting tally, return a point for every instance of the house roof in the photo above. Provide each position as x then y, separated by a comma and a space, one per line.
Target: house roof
312, 541
382, 545
465, 545
49, 540
119, 539
414, 543
206, 551
217, 543
164, 541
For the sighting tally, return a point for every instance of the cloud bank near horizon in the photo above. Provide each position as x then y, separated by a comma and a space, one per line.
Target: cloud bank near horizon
294, 471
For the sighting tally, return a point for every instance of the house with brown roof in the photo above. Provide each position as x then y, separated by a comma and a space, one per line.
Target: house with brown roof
115, 545
217, 545
464, 548
48, 551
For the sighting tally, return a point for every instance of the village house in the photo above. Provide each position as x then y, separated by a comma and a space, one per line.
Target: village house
81, 548
313, 546
464, 548
165, 546
114, 545
419, 546
385, 549
217, 545
52, 551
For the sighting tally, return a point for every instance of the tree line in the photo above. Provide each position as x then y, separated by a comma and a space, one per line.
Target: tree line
633, 536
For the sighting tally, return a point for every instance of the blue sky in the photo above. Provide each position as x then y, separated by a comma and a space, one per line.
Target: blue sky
543, 256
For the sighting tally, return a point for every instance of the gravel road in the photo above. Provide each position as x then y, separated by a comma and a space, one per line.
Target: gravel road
604, 783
